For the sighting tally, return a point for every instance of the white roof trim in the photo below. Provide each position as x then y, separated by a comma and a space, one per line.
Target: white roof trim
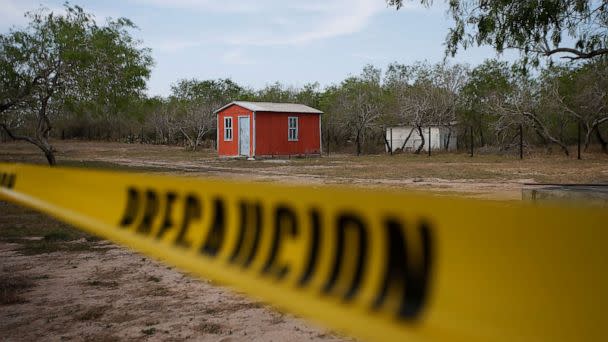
272, 107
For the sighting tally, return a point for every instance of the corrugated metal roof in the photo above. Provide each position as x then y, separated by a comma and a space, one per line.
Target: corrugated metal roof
273, 107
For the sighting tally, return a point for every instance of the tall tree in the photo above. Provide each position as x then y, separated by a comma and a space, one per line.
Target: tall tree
62, 60
522, 106
426, 95
572, 29
488, 80
193, 103
580, 93
360, 100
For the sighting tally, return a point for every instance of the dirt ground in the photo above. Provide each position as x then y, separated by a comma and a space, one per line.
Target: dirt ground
488, 176
57, 283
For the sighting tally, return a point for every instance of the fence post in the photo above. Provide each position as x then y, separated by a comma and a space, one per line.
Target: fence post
521, 141
579, 141
328, 142
471, 128
391, 147
429, 140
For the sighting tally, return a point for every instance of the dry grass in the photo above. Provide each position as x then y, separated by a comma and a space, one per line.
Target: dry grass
38, 234
537, 166
93, 313
12, 287
210, 328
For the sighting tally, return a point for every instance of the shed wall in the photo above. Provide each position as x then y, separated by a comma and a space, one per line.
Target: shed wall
231, 148
272, 134
439, 136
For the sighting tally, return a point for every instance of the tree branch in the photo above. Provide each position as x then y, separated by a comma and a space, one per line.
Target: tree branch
578, 53
19, 137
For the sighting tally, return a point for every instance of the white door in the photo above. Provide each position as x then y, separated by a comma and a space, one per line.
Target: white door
244, 136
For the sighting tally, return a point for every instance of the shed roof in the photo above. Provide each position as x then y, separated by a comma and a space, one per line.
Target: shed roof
273, 107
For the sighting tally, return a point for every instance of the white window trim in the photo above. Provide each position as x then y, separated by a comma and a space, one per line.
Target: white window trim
226, 128
289, 128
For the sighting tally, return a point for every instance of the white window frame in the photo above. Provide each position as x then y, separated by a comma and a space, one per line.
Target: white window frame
228, 130
290, 129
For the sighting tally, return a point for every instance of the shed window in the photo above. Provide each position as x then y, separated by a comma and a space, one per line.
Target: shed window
292, 134
228, 128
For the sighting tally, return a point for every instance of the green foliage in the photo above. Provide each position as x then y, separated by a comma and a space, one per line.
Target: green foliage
487, 81
59, 65
575, 29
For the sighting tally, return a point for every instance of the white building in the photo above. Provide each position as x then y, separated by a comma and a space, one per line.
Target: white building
408, 138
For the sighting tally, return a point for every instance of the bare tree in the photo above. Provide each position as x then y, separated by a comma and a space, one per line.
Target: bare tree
581, 94
521, 107
360, 101
196, 121
426, 95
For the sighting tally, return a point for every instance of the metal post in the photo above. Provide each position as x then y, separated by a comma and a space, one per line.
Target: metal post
579, 141
521, 141
391, 147
471, 140
429, 140
328, 141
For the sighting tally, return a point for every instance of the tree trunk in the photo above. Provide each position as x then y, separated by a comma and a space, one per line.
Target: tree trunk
43, 145
388, 146
542, 130
358, 141
447, 141
50, 156
407, 138
419, 149
601, 139
482, 141
588, 136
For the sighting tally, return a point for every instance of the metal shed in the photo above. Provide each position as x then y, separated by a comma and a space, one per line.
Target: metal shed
407, 138
253, 129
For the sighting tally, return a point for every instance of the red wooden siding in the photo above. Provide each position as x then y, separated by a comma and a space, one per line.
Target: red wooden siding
272, 130
231, 148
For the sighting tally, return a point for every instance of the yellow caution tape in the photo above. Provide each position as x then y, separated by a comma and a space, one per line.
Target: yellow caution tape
380, 265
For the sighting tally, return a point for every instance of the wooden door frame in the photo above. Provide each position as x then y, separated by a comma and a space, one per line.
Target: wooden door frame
239, 142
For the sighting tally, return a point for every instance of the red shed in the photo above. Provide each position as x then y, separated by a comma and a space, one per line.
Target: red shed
257, 129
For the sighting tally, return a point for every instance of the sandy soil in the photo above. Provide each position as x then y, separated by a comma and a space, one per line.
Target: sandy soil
111, 294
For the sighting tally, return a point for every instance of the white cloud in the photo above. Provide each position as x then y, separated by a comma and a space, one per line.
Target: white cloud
277, 22
206, 5
12, 12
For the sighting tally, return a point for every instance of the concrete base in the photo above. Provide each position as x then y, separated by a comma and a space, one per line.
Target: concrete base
595, 194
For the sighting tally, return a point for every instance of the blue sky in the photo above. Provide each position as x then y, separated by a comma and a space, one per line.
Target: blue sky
259, 42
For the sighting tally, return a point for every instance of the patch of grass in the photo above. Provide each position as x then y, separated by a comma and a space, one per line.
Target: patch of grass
105, 165
93, 313
210, 328
148, 331
12, 287
151, 323
22, 225
60, 235
39, 234
154, 279
34, 247
102, 283
158, 291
